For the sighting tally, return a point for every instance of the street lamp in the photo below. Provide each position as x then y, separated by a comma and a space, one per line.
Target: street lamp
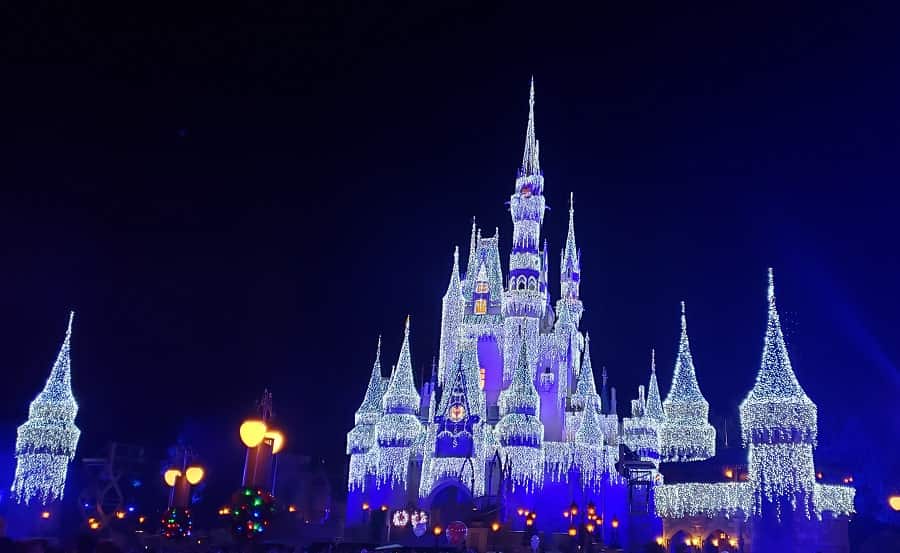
437, 530
495, 527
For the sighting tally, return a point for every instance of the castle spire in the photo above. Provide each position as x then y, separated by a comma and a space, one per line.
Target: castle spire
654, 408
530, 158
401, 395
570, 265
684, 382
46, 442
586, 387
473, 248
370, 409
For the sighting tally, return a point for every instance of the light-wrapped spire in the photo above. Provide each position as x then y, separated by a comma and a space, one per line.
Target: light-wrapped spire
687, 434
46, 442
451, 315
473, 248
401, 395
520, 432
654, 408
371, 406
531, 164
586, 387
779, 425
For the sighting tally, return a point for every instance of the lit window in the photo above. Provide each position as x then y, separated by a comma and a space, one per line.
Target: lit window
481, 375
481, 287
480, 307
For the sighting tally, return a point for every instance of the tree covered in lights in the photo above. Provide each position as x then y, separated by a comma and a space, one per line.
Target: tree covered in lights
46, 442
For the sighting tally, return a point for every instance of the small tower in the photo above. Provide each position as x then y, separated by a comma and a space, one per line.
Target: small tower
586, 387
687, 434
361, 439
451, 316
654, 408
642, 431
779, 426
399, 426
46, 442
520, 432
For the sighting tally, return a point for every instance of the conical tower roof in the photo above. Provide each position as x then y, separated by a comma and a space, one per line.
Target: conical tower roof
521, 396
401, 395
685, 388
371, 407
777, 400
654, 408
56, 400
586, 386
531, 164
589, 431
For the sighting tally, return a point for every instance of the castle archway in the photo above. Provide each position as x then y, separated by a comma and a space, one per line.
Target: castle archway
450, 500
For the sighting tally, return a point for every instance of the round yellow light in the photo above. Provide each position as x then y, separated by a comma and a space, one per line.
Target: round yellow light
277, 440
194, 475
120, 515
572, 530
45, 514
659, 540
894, 502
170, 475
253, 432
495, 526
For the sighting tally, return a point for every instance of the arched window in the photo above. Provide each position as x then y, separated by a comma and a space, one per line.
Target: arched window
481, 287
480, 307
532, 284
521, 283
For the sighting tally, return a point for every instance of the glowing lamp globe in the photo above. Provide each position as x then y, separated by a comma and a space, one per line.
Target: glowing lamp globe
894, 502
170, 475
253, 432
194, 475
495, 526
437, 531
277, 440
573, 531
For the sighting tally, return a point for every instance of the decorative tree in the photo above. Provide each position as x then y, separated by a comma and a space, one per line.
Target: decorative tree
46, 442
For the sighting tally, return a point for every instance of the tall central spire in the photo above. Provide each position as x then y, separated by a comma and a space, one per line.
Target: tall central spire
530, 158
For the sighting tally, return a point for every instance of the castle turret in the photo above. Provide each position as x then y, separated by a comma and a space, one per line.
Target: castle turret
451, 316
642, 431
687, 434
586, 387
361, 438
654, 408
46, 442
520, 432
399, 426
779, 426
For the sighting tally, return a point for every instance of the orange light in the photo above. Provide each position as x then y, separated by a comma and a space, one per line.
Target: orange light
533, 515
573, 531
292, 509
566, 514
495, 526
384, 507
194, 475
141, 519
696, 541
894, 502
521, 511
529, 522
615, 522
252, 432
715, 542
365, 506
45, 514
277, 440
729, 473
93, 524
590, 527
660, 540
574, 509
437, 530
527, 512
687, 541
732, 542
170, 475
120, 515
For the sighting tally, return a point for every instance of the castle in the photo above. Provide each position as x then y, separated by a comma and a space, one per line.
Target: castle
512, 422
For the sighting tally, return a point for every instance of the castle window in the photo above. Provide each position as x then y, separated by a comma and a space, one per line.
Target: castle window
481, 377
532, 284
480, 307
481, 287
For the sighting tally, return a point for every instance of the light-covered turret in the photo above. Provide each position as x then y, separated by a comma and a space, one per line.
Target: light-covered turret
586, 387
687, 434
779, 425
451, 317
361, 444
520, 433
46, 442
642, 430
399, 426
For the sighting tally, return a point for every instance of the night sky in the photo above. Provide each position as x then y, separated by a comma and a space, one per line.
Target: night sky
232, 201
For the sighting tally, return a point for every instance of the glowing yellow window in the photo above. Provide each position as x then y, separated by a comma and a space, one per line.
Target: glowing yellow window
481, 373
481, 287
480, 307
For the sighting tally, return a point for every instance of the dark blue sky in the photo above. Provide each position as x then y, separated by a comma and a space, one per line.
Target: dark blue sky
238, 200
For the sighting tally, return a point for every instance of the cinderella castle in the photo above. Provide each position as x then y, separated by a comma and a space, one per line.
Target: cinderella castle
514, 429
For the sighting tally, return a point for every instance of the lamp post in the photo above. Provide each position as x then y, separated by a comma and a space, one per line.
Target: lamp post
437, 530
495, 527
177, 520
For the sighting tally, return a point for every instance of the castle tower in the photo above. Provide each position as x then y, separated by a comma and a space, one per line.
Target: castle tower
451, 316
569, 307
46, 442
520, 432
642, 431
523, 302
779, 426
361, 439
590, 454
399, 426
654, 408
586, 387
687, 434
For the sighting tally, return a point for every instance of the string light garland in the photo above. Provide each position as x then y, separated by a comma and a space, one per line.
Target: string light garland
737, 500
177, 523
46, 442
252, 511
